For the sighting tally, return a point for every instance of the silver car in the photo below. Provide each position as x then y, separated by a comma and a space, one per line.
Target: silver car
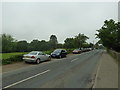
36, 56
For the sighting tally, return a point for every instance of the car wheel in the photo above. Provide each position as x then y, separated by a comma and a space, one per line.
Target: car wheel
26, 62
60, 56
49, 58
38, 61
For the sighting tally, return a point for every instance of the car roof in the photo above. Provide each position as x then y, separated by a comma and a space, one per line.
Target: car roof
59, 49
36, 51
77, 49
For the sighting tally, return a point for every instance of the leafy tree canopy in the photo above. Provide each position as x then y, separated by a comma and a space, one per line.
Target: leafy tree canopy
109, 34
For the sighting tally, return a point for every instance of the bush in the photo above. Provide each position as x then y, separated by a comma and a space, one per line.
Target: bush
48, 52
69, 50
12, 59
114, 54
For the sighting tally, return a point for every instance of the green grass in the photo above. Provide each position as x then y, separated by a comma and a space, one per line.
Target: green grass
8, 55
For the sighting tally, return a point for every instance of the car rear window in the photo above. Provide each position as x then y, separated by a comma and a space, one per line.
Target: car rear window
33, 53
57, 51
77, 49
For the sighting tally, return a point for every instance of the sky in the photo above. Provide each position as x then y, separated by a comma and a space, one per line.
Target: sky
39, 20
119, 11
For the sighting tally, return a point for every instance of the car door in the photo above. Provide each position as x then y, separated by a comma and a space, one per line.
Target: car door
44, 56
41, 56
63, 53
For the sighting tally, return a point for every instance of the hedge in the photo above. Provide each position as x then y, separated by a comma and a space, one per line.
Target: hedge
12, 59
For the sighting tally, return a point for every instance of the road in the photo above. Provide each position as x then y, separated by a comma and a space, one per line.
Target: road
75, 71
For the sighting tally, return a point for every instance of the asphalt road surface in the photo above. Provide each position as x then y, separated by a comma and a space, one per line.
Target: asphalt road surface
75, 71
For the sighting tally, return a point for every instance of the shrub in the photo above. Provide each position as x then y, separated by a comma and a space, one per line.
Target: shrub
69, 50
48, 52
12, 59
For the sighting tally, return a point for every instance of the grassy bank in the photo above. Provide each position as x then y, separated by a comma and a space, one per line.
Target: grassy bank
115, 55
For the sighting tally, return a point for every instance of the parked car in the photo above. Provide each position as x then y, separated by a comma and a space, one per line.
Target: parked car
76, 51
36, 56
86, 49
59, 53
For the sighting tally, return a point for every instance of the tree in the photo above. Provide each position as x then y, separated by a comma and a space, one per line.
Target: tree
69, 43
34, 45
80, 39
59, 45
7, 43
76, 42
109, 34
87, 45
53, 42
91, 45
44, 45
22, 46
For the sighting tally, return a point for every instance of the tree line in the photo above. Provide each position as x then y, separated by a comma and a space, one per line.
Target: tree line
109, 35
9, 44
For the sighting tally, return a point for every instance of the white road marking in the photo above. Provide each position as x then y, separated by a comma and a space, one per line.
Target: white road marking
74, 59
26, 79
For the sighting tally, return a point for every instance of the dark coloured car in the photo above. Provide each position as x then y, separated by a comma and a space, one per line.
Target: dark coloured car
76, 51
59, 53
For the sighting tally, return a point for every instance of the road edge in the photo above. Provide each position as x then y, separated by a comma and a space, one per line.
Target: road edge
96, 72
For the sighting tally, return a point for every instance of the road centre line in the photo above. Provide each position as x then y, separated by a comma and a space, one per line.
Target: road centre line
74, 59
26, 79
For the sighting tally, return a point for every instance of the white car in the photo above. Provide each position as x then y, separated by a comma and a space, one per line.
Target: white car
36, 56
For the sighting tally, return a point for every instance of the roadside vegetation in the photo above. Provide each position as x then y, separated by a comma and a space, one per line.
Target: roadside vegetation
8, 55
109, 35
12, 58
9, 44
13, 50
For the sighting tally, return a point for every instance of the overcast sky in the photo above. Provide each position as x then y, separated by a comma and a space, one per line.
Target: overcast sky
39, 20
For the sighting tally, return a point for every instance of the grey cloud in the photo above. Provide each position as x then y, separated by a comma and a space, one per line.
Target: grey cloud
28, 20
